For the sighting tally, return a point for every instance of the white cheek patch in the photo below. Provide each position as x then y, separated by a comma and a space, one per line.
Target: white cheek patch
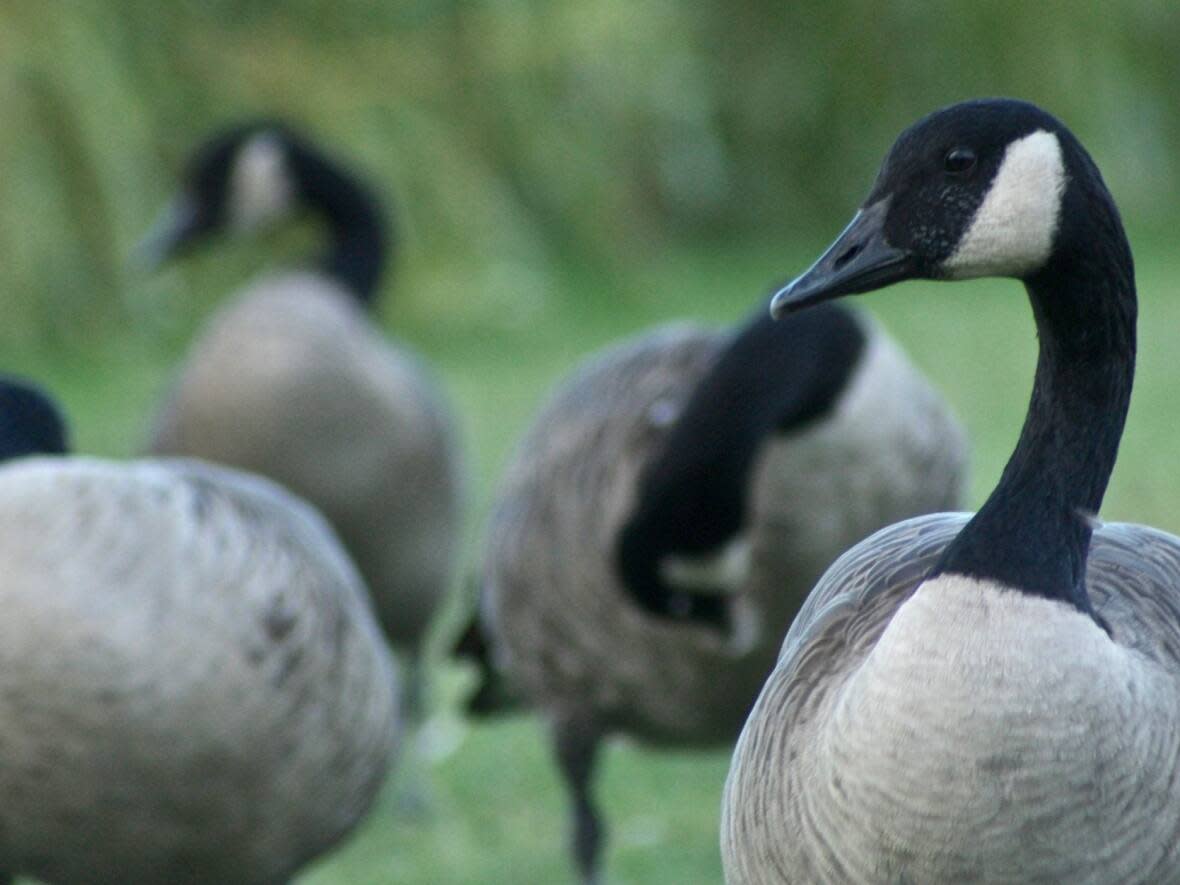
1012, 232
260, 187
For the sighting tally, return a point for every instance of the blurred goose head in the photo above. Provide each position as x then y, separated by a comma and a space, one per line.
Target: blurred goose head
256, 175
30, 422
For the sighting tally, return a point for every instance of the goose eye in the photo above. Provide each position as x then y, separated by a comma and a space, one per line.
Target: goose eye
959, 160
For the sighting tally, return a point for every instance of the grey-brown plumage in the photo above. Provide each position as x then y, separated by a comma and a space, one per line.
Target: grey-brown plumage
290, 380
293, 380
193, 687
564, 627
959, 772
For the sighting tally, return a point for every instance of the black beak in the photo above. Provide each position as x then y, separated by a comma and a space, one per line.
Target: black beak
859, 261
175, 228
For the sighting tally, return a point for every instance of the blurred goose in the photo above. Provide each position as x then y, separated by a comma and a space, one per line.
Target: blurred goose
193, 687
671, 505
992, 697
292, 379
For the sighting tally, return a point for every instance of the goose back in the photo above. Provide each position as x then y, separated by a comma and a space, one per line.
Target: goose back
292, 381
192, 685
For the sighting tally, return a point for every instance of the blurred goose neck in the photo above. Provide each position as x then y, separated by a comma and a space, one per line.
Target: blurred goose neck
358, 242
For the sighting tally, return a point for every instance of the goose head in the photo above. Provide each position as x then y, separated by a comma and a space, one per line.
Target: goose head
30, 422
999, 187
241, 180
991, 187
258, 174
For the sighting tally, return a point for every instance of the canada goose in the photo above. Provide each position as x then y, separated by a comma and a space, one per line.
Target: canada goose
990, 697
661, 521
293, 380
193, 687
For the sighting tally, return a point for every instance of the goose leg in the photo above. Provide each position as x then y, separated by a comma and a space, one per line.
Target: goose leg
576, 743
413, 799
414, 698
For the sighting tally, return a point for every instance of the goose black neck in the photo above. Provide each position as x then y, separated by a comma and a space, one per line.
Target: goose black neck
1033, 532
358, 244
773, 377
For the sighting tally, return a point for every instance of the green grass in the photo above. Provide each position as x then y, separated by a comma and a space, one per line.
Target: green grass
498, 812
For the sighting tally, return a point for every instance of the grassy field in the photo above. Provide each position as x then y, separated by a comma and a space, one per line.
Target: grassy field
498, 814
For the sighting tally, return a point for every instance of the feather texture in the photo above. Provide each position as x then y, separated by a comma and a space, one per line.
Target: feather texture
940, 777
291, 380
192, 684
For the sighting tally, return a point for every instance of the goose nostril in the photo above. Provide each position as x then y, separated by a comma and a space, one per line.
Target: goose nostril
850, 253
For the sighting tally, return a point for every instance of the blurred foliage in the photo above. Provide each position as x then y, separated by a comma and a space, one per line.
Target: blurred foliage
514, 135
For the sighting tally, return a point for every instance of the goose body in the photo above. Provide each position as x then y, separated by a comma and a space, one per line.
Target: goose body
595, 652
193, 687
992, 696
293, 380
971, 779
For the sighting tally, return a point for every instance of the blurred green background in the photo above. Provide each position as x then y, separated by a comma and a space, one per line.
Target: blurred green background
564, 173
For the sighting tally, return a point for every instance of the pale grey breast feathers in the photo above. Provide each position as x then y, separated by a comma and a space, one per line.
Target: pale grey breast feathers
788, 814
1132, 576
